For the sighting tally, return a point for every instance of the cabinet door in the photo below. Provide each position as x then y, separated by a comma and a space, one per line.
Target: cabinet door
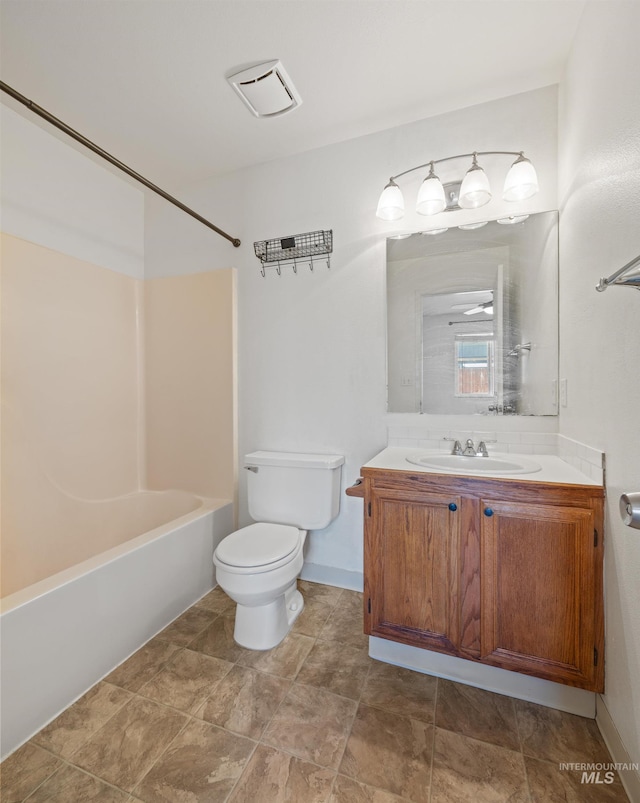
411, 568
538, 606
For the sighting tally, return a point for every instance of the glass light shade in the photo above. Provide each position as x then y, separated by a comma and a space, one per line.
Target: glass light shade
511, 220
521, 181
475, 190
433, 232
431, 198
391, 203
470, 226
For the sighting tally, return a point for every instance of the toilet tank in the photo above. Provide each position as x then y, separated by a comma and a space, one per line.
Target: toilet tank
290, 488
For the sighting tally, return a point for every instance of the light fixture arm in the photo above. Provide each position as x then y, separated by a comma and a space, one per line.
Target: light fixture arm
432, 162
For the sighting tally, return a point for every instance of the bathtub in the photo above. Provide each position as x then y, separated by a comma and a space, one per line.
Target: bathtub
62, 634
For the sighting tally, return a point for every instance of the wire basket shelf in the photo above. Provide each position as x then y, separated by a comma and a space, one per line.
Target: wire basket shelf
291, 250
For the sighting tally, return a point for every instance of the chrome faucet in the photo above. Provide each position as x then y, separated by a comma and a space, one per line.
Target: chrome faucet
469, 448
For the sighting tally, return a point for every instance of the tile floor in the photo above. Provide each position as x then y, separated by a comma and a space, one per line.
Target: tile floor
193, 717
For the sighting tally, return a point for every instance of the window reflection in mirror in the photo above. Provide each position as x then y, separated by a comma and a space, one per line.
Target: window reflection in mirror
474, 365
472, 320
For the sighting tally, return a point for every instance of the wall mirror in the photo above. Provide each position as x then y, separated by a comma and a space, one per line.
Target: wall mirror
472, 319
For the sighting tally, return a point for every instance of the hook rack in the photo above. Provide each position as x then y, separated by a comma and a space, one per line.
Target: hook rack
292, 250
628, 276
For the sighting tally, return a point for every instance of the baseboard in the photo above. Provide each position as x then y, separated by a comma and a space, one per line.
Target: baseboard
630, 778
332, 576
491, 678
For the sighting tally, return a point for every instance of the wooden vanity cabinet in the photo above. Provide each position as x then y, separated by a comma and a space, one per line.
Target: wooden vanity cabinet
505, 572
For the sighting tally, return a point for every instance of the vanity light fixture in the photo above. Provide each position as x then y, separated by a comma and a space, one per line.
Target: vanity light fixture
521, 183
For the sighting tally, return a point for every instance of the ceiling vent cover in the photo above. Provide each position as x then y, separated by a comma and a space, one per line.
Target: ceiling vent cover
266, 89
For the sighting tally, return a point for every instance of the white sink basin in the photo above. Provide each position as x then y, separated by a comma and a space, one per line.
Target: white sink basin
467, 464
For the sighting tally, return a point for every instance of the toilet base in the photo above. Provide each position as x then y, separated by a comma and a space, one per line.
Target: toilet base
263, 627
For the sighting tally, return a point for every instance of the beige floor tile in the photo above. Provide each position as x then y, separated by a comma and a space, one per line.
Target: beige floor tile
469, 771
390, 752
400, 690
244, 701
187, 680
276, 777
345, 625
71, 785
346, 790
477, 713
202, 764
142, 665
128, 745
351, 599
217, 640
133, 742
216, 601
284, 660
313, 724
557, 736
313, 617
319, 592
185, 628
76, 724
336, 667
549, 784
24, 770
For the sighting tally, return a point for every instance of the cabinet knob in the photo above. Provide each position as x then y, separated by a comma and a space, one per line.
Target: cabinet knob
488, 511
453, 506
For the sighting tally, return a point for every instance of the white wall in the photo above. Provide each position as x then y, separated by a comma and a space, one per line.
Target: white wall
312, 345
55, 195
600, 333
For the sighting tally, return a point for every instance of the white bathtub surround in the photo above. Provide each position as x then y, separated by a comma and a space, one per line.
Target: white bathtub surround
62, 635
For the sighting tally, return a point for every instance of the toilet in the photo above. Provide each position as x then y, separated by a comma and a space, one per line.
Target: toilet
258, 566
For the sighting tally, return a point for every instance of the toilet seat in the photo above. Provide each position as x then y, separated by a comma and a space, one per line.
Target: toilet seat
258, 548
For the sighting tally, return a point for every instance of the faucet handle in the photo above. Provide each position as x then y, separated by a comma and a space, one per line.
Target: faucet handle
482, 448
457, 446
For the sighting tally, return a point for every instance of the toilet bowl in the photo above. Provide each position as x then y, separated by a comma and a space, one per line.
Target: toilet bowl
258, 566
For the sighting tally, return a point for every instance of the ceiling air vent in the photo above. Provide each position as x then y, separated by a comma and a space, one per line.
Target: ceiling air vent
266, 89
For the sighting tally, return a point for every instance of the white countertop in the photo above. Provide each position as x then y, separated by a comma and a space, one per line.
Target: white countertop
552, 468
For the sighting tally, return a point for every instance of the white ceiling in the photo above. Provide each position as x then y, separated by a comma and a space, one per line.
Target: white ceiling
145, 79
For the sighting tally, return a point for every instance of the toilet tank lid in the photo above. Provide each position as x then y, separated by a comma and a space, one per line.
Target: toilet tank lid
294, 460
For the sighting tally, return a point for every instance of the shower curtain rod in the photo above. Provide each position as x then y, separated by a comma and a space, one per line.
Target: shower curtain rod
111, 159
